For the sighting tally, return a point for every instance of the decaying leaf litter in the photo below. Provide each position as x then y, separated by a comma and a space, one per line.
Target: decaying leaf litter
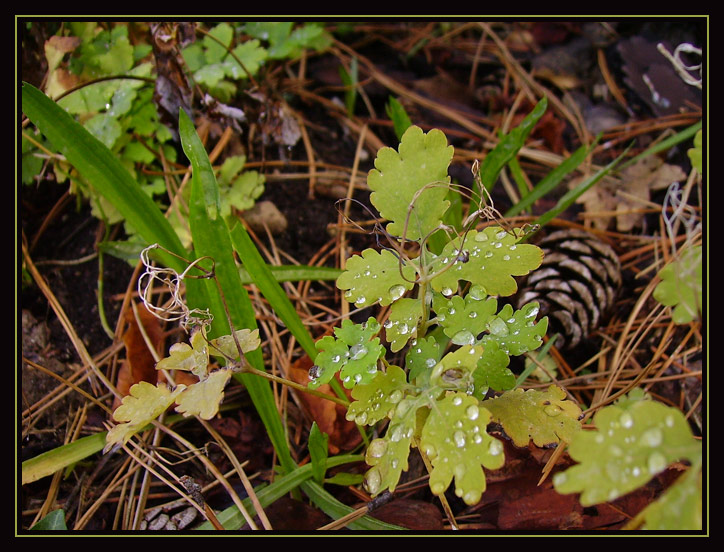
472, 80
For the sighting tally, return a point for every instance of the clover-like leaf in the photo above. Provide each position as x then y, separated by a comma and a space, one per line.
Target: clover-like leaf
543, 416
402, 322
375, 277
374, 400
192, 358
681, 286
517, 332
421, 358
144, 404
492, 371
203, 398
225, 345
633, 441
455, 440
398, 179
464, 319
354, 353
489, 258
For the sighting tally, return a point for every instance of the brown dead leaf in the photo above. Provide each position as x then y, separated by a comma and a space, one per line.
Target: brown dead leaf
139, 364
330, 416
416, 515
628, 194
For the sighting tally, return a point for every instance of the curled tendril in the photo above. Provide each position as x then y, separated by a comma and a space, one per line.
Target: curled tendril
681, 212
176, 308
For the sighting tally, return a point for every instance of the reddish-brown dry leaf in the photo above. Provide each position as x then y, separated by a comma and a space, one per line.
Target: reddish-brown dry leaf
541, 508
343, 435
416, 515
139, 364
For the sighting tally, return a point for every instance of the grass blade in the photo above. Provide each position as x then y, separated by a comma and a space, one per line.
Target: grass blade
571, 196
551, 180
270, 288
211, 239
509, 146
49, 462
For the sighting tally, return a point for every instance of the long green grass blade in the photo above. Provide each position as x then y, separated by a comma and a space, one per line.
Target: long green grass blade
509, 146
270, 288
49, 462
551, 180
211, 239
295, 273
571, 196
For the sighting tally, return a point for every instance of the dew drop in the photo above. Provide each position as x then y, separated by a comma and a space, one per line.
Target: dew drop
377, 448
500, 235
652, 437
335, 358
437, 488
626, 420
357, 378
357, 351
495, 447
506, 257
656, 463
463, 337
471, 498
552, 410
472, 412
532, 311
361, 419
360, 300
430, 362
473, 314
669, 421
478, 439
451, 311
372, 481
477, 292
457, 401
430, 450
447, 292
403, 329
396, 292
459, 438
395, 396
488, 254
513, 247
314, 372
396, 433
559, 478
388, 324
498, 245
481, 237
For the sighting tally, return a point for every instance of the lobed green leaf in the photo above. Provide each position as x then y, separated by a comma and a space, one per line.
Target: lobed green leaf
398, 179
374, 400
516, 332
401, 324
634, 440
489, 258
464, 319
375, 277
681, 286
455, 440
545, 417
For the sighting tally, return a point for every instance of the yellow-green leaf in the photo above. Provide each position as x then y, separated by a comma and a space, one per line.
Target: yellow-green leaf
145, 403
226, 345
192, 358
413, 181
546, 417
203, 398
455, 440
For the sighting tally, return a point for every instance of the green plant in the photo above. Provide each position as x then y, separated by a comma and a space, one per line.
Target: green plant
443, 309
444, 376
